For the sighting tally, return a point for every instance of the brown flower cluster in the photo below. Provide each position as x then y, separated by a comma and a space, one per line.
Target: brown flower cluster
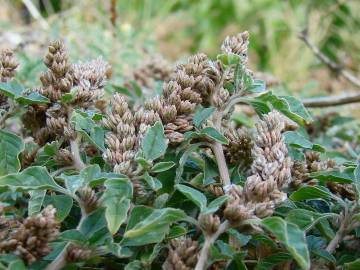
84, 81
75, 253
182, 255
154, 69
126, 129
8, 65
30, 239
238, 151
271, 172
301, 174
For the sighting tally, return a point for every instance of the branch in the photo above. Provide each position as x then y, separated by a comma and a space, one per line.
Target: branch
331, 101
36, 14
209, 240
303, 35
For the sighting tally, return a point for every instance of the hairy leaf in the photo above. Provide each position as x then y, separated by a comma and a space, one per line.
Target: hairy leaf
10, 148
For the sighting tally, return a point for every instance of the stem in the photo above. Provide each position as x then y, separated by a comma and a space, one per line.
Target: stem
331, 101
220, 158
36, 14
340, 234
327, 61
209, 240
74, 145
60, 260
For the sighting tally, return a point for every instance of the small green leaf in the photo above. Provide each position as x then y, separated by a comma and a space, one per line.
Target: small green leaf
154, 143
257, 86
116, 199
12, 88
62, 203
153, 228
162, 166
32, 98
176, 231
36, 201
310, 192
73, 236
212, 133
306, 219
153, 183
215, 204
10, 148
346, 176
31, 178
296, 140
201, 115
292, 237
195, 196
229, 59
93, 223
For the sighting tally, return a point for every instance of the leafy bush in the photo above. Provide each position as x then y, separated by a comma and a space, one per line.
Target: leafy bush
121, 179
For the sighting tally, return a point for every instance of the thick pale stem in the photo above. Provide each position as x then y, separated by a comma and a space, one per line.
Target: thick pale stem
209, 240
220, 158
74, 145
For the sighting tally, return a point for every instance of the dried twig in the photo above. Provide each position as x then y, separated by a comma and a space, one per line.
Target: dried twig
303, 35
320, 102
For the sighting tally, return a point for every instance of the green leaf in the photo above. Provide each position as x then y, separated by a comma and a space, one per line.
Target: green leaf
354, 265
89, 129
32, 98
257, 86
269, 262
215, 204
116, 200
10, 148
162, 166
201, 115
292, 237
310, 192
289, 106
306, 219
11, 89
192, 194
153, 228
15, 90
153, 183
36, 201
176, 231
93, 223
296, 140
62, 203
31, 178
346, 176
154, 143
212, 133
134, 265
357, 180
229, 59
73, 236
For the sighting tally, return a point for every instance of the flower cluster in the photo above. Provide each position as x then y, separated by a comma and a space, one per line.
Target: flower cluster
30, 239
271, 172
8, 65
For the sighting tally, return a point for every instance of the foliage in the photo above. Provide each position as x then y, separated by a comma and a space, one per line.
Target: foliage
129, 181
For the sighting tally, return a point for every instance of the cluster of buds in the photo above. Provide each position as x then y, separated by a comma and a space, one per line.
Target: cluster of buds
271, 172
85, 81
238, 151
301, 171
209, 223
182, 255
76, 253
154, 69
126, 130
30, 239
8, 65
88, 199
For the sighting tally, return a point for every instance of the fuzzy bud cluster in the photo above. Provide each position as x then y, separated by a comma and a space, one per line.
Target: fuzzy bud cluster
88, 198
271, 172
8, 65
30, 239
209, 223
182, 255
76, 253
237, 45
154, 69
238, 151
301, 174
84, 81
126, 130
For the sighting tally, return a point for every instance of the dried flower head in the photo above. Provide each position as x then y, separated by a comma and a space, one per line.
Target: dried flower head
30, 240
237, 45
182, 255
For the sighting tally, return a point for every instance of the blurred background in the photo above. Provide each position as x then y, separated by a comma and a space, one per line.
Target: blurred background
127, 33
